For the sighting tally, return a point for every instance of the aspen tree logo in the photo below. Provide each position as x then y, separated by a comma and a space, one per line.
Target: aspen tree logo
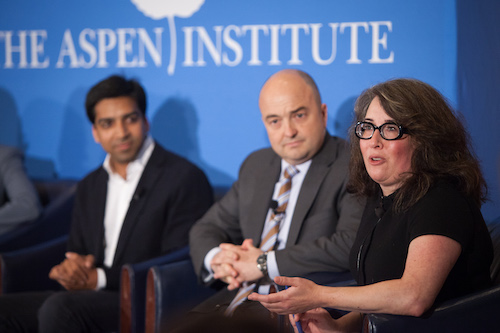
159, 9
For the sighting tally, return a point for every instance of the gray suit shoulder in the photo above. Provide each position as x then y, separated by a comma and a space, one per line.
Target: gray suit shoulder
341, 145
261, 154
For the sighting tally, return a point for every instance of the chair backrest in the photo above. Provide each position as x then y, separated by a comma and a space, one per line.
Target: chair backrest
133, 289
171, 291
28, 269
51, 189
54, 222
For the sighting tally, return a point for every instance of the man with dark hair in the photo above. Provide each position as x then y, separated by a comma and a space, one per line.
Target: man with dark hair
138, 205
115, 86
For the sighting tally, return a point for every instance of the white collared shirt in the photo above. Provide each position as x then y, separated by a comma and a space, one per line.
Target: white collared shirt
297, 180
119, 194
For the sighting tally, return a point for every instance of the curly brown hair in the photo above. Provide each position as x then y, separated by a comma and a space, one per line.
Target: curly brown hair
442, 145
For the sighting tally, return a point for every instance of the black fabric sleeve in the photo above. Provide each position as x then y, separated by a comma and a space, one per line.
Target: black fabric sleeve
443, 211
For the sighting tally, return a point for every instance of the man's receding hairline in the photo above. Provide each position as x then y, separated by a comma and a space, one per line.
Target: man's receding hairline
306, 78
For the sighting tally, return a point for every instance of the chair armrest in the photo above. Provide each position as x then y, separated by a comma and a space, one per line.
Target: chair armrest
171, 291
133, 289
477, 312
28, 269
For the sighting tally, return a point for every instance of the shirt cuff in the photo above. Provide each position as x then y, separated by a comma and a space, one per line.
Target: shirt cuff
101, 279
272, 265
208, 259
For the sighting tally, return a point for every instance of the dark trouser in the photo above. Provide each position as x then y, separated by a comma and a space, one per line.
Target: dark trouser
65, 311
209, 317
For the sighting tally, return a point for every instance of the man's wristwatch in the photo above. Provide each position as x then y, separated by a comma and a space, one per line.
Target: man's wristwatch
262, 264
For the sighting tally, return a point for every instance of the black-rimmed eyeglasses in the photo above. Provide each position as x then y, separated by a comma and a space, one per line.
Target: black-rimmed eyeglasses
388, 131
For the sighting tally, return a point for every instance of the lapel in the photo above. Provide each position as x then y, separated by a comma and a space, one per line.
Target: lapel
154, 168
316, 174
101, 185
264, 188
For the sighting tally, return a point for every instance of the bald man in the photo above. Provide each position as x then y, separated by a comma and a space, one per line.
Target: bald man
319, 221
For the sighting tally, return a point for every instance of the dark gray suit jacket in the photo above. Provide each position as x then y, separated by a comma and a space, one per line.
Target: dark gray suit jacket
19, 201
324, 223
170, 196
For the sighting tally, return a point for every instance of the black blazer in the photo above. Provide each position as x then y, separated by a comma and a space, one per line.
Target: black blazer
170, 196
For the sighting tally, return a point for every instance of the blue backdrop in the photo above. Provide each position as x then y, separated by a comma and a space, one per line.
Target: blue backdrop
203, 62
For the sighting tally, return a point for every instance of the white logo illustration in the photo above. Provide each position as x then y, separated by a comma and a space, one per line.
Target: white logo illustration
159, 9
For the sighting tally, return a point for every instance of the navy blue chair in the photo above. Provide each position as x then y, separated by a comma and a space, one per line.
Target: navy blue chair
472, 313
28, 269
30, 251
171, 291
54, 222
133, 290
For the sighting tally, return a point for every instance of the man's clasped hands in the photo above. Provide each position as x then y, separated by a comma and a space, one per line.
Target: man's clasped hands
76, 272
235, 264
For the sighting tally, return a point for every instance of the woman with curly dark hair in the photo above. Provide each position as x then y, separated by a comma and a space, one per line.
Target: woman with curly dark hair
422, 238
441, 144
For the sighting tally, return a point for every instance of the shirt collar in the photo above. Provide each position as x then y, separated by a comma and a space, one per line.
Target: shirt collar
140, 161
303, 167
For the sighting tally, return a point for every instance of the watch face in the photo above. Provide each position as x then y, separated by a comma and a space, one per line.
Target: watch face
262, 263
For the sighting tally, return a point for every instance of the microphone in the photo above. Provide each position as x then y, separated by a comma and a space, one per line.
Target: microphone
273, 205
139, 194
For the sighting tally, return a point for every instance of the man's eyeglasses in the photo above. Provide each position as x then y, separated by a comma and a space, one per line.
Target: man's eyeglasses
388, 131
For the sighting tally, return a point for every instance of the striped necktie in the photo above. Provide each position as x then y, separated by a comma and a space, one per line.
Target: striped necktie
271, 230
